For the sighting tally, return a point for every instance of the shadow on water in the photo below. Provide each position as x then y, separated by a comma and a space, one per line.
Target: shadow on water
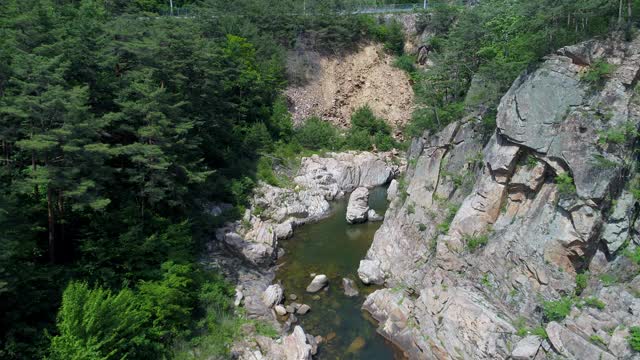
335, 248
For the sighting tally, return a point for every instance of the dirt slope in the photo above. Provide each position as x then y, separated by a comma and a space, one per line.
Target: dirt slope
344, 84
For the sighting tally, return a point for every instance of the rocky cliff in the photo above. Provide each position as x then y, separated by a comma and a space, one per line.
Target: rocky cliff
481, 237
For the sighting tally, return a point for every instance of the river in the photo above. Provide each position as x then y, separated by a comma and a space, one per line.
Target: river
335, 248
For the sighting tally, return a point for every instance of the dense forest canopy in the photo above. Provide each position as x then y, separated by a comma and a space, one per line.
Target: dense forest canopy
118, 126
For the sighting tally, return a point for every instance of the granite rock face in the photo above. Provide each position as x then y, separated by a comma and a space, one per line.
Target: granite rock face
486, 230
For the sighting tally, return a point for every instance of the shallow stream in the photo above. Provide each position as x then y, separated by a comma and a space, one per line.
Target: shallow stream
335, 248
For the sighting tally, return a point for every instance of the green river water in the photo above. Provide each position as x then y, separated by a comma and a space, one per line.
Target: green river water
335, 248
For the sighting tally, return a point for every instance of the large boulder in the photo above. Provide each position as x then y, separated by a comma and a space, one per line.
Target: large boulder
370, 273
350, 287
318, 283
296, 346
358, 207
273, 295
527, 348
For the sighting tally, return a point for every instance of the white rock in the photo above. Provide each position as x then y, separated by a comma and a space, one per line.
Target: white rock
296, 346
303, 309
237, 301
370, 272
318, 282
392, 191
280, 310
373, 216
358, 206
526, 348
272, 295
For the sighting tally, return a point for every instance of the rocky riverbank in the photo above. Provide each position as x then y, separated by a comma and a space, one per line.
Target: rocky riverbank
483, 242
246, 250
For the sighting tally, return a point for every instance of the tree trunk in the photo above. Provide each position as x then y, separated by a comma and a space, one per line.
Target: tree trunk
51, 225
61, 234
620, 13
629, 14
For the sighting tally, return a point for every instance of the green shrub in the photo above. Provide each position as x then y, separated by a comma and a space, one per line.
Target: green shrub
608, 279
281, 123
443, 227
618, 135
599, 72
411, 209
634, 255
422, 227
316, 134
475, 242
540, 331
97, 324
434, 118
485, 281
597, 340
634, 338
394, 39
557, 310
406, 63
368, 130
565, 184
264, 171
594, 303
581, 282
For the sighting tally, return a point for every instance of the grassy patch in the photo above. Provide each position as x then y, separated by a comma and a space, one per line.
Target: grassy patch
558, 309
608, 279
634, 338
565, 184
581, 282
475, 242
598, 74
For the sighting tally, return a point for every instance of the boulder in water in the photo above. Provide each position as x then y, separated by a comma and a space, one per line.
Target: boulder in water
373, 216
358, 206
303, 309
356, 345
318, 282
350, 288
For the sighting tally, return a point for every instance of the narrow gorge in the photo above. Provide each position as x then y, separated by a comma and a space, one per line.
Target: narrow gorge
483, 234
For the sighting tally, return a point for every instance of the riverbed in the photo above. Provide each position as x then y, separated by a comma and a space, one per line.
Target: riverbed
335, 248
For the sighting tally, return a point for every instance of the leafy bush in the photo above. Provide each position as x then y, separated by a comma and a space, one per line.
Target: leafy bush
405, 63
96, 324
599, 72
634, 255
634, 338
594, 303
557, 310
565, 184
475, 242
367, 130
434, 118
443, 227
608, 279
581, 282
597, 340
316, 134
422, 227
394, 39
618, 135
280, 122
